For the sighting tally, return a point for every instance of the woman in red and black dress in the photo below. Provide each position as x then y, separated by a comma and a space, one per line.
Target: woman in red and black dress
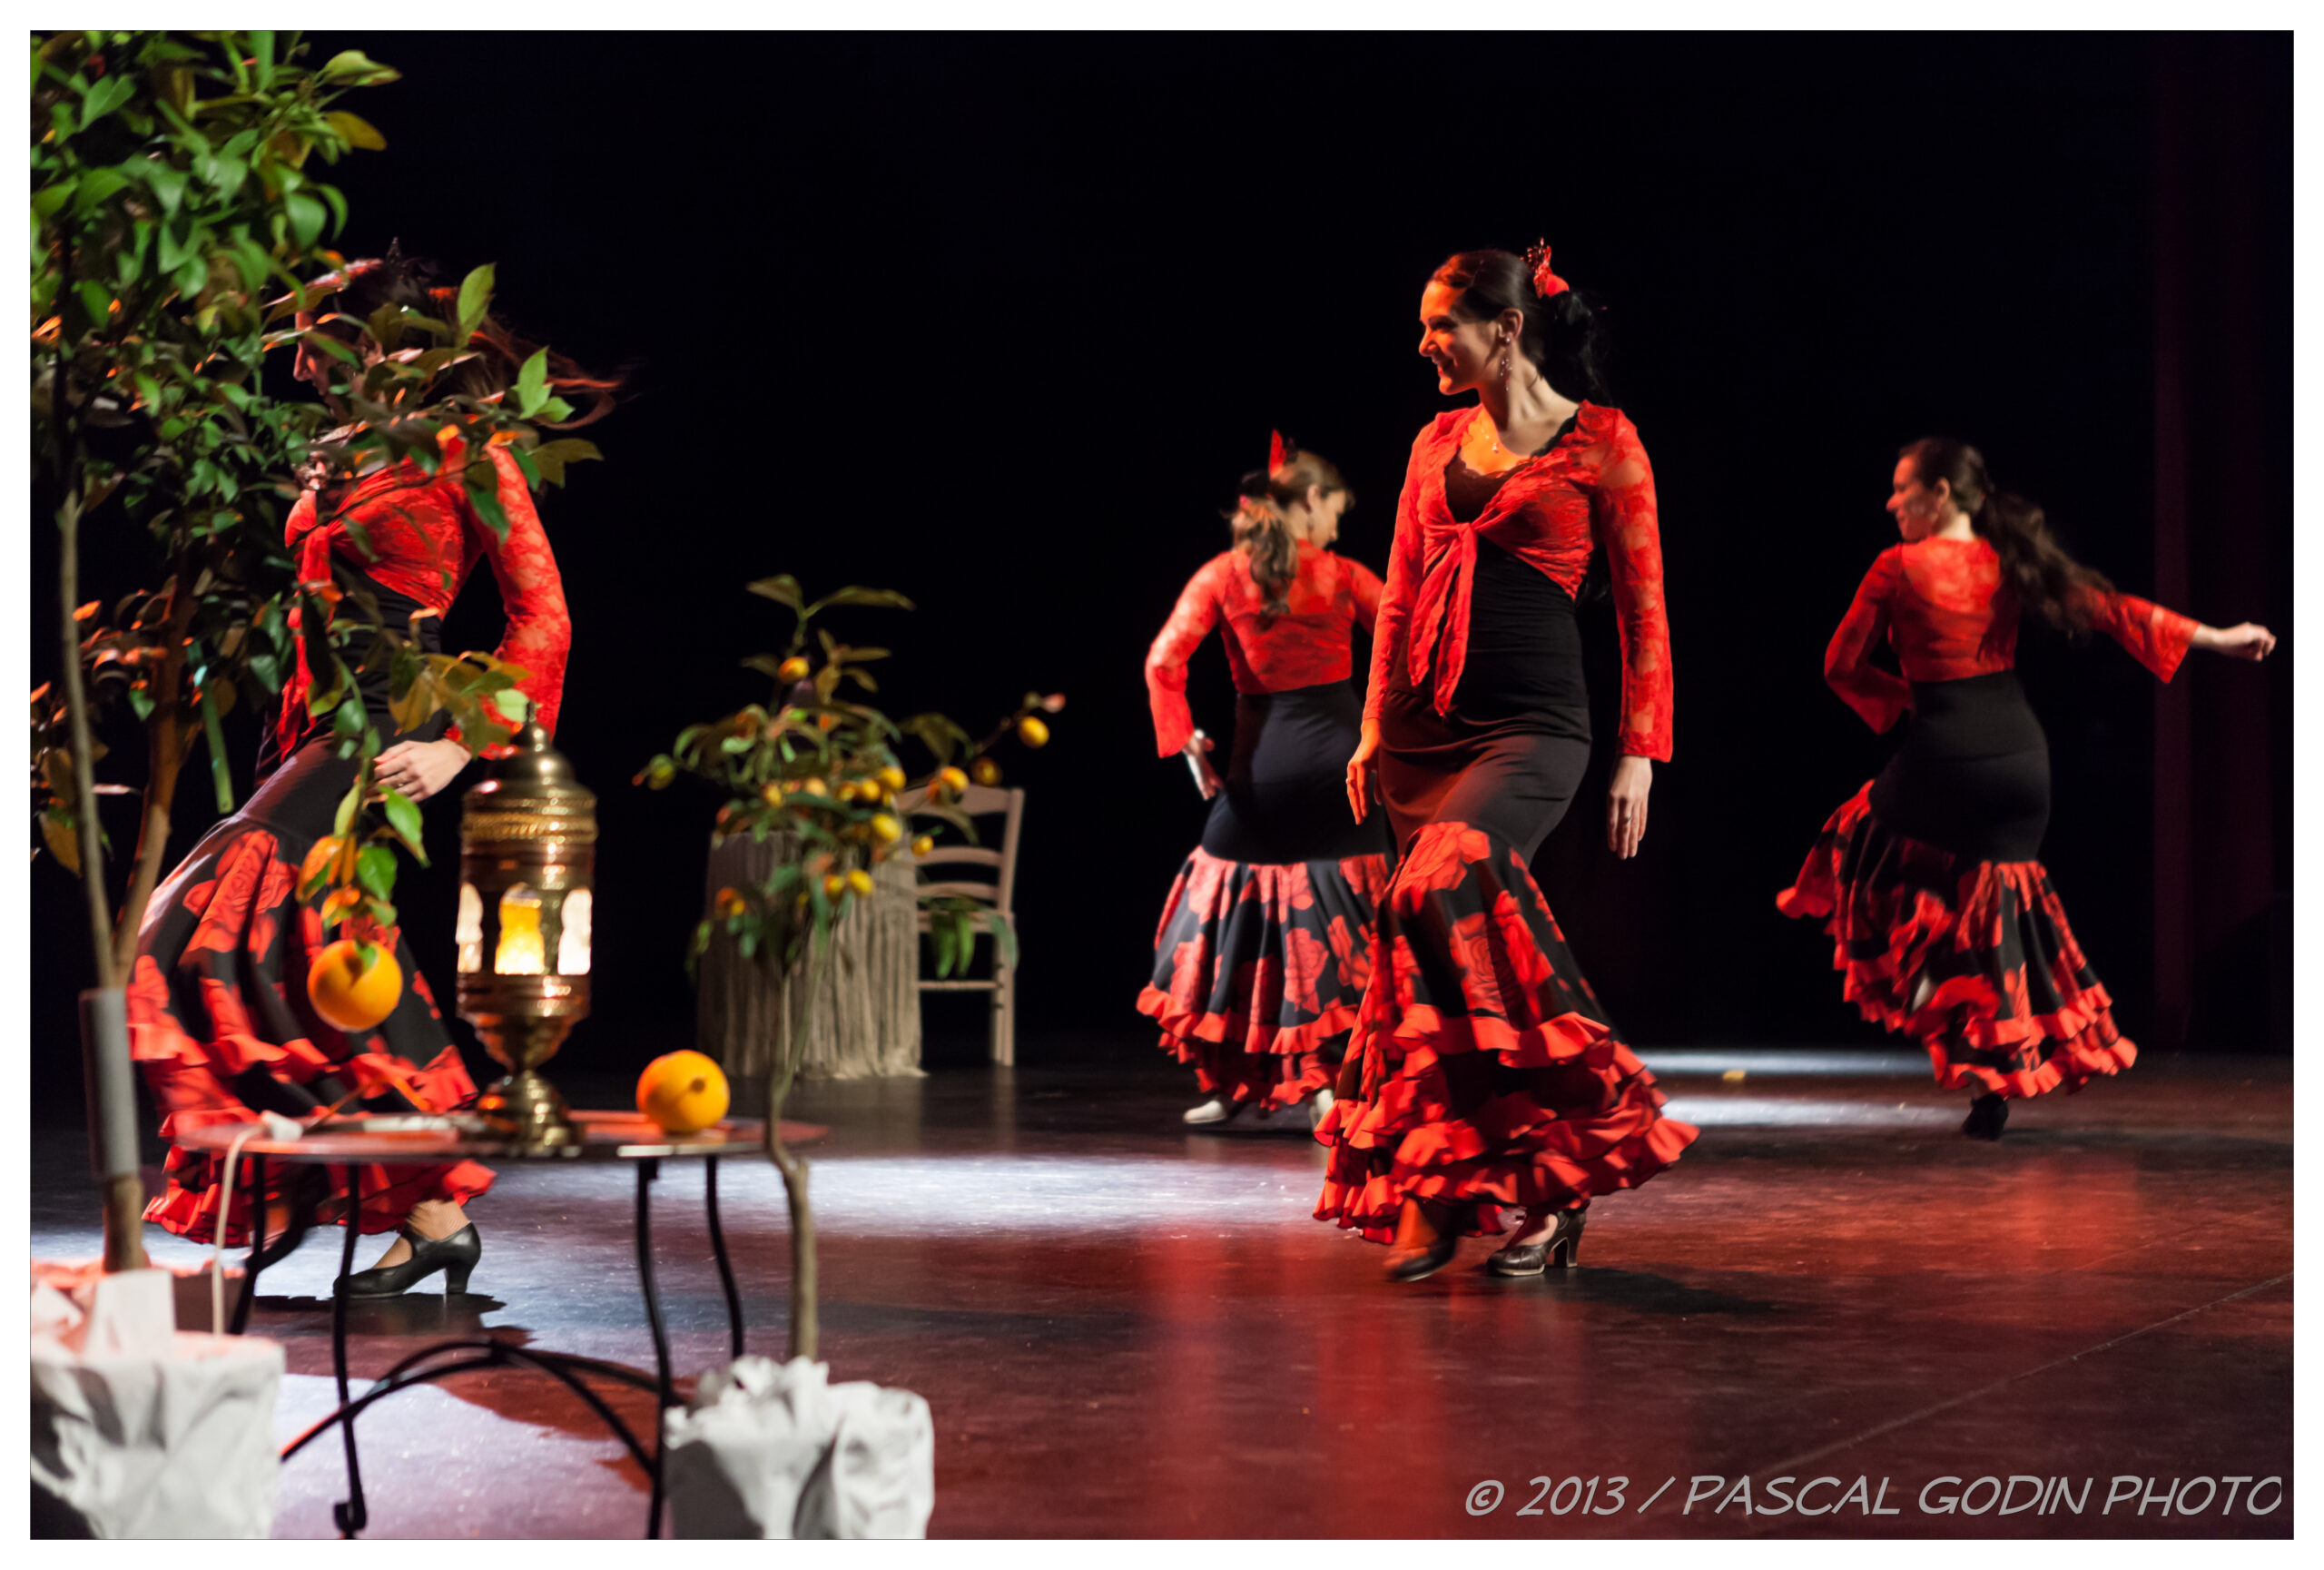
1484, 1075
1265, 944
218, 1008
1941, 918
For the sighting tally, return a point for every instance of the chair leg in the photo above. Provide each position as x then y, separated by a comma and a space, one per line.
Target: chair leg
1004, 1016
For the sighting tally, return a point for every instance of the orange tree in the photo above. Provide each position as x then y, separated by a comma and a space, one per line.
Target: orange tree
820, 766
174, 200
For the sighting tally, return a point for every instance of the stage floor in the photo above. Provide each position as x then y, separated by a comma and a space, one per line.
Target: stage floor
1127, 1329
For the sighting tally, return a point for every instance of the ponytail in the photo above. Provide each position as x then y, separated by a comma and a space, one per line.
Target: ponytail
2036, 569
1263, 531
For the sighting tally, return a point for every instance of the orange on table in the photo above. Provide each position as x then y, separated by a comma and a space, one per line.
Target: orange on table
682, 1091
348, 995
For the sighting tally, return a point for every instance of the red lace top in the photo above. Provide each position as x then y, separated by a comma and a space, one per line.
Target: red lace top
1940, 605
1592, 490
425, 538
1305, 644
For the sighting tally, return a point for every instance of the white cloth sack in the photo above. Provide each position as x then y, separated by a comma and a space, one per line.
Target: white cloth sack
775, 1451
181, 1446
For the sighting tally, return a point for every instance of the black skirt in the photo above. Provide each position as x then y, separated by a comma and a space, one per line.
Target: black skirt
1973, 776
1285, 795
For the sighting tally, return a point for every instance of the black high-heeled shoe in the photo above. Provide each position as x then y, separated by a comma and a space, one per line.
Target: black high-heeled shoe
1988, 1114
1563, 1245
1419, 1264
456, 1256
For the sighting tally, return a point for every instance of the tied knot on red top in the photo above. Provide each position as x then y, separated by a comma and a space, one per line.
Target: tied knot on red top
1537, 261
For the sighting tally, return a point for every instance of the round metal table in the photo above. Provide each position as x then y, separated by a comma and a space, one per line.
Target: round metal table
357, 1143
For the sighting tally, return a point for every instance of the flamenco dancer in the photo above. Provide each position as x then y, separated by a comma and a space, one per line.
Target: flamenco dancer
217, 1010
1485, 1076
1928, 881
1265, 946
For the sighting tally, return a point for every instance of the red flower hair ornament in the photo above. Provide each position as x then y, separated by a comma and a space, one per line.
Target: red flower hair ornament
1545, 283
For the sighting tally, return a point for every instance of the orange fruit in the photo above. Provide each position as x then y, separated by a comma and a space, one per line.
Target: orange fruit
1033, 731
952, 780
795, 669
888, 828
682, 1093
987, 772
860, 881
348, 995
319, 859
924, 844
892, 779
833, 886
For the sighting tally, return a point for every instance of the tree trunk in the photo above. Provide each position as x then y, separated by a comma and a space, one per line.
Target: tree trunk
166, 735
806, 979
125, 1196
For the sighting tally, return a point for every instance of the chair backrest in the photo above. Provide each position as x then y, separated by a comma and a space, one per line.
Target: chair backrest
979, 801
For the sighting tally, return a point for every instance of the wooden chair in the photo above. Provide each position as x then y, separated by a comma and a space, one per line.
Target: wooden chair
999, 894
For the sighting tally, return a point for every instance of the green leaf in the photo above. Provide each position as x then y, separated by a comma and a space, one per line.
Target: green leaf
532, 383
480, 481
403, 818
358, 131
348, 805
109, 94
855, 595
375, 869
307, 217
783, 590
350, 68
475, 298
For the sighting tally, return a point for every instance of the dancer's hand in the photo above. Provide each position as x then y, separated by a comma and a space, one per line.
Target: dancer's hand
1362, 771
420, 768
1205, 777
2245, 640
1626, 806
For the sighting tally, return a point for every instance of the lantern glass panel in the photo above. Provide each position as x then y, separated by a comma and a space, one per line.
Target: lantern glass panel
573, 941
469, 932
519, 953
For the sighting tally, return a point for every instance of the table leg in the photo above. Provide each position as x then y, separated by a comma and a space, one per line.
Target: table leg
726, 1266
647, 1170
349, 1513
251, 1266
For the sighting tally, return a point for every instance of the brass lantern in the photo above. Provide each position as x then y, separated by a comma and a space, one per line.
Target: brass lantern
528, 851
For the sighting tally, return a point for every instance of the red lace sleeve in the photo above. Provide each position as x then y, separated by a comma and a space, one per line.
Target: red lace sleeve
2157, 638
540, 633
1392, 610
1166, 663
1622, 514
1363, 585
1880, 696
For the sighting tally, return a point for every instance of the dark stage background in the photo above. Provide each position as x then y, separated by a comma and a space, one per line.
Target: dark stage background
998, 322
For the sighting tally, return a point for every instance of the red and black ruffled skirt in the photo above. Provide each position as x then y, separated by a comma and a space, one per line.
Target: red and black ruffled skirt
1944, 924
1491, 1076
1258, 972
1265, 946
219, 1023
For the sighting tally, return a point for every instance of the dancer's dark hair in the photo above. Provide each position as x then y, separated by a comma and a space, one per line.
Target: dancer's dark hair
500, 351
1563, 334
1263, 532
2045, 579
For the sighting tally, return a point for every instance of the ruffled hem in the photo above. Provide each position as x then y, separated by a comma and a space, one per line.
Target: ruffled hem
1258, 966
218, 991
190, 1208
2013, 1006
1491, 1077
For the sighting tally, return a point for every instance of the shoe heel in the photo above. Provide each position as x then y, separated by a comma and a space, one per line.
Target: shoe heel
456, 1280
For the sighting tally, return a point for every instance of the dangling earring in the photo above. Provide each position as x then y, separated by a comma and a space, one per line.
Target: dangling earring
1506, 355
